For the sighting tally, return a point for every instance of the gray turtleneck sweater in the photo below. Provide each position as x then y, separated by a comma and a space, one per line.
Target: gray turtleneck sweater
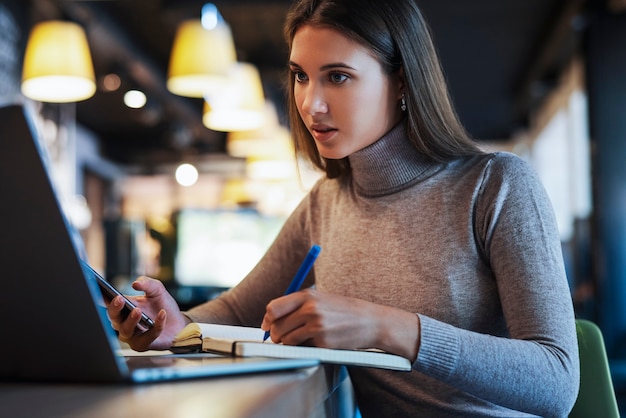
470, 246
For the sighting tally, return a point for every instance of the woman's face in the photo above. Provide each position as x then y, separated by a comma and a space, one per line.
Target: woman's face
342, 94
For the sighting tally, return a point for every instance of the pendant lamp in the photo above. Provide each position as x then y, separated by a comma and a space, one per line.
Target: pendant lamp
200, 59
238, 105
57, 64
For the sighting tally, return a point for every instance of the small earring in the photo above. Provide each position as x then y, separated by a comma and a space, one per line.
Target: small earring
403, 103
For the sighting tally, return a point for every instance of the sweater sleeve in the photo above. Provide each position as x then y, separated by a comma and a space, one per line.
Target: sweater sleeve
536, 365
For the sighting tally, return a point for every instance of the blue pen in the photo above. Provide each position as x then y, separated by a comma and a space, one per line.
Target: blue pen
301, 274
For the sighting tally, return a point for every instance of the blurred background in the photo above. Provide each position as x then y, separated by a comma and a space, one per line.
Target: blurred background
171, 152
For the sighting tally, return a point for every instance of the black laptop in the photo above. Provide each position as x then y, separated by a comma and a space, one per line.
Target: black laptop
52, 321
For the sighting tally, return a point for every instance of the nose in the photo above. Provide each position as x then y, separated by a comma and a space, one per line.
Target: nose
313, 101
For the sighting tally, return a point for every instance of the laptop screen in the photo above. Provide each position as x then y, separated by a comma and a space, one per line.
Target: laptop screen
46, 302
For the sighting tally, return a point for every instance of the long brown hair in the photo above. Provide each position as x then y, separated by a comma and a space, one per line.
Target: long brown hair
397, 35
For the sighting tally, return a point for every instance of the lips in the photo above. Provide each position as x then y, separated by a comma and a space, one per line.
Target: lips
322, 132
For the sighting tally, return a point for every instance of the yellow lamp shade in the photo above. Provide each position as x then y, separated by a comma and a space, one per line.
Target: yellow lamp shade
273, 158
239, 105
257, 141
200, 59
57, 64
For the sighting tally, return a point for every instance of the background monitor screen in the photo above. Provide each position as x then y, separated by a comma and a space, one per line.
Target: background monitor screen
218, 248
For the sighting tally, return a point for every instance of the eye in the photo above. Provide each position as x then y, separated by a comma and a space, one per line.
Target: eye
299, 76
338, 78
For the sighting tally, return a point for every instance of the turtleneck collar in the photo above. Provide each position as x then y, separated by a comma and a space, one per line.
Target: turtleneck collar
389, 165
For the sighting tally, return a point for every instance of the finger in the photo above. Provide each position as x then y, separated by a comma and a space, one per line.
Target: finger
290, 330
299, 335
114, 311
282, 306
143, 341
151, 287
283, 318
128, 328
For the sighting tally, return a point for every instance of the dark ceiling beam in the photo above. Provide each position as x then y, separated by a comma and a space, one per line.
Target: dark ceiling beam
555, 47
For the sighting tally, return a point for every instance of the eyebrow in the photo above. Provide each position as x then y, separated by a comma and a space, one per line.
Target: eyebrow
327, 66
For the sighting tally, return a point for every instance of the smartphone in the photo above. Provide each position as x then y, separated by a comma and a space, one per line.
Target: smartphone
109, 293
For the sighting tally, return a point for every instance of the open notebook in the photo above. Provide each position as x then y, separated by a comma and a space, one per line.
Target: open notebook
248, 342
54, 325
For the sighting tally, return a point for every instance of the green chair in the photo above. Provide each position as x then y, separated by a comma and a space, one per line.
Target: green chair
596, 397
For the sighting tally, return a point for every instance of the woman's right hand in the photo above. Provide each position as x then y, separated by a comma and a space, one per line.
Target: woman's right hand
159, 305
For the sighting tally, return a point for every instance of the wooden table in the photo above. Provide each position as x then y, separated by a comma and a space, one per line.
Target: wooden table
321, 391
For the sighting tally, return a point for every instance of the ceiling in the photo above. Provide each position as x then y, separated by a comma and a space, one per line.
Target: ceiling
500, 58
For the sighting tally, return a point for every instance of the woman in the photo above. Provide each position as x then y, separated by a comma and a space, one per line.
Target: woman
431, 249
